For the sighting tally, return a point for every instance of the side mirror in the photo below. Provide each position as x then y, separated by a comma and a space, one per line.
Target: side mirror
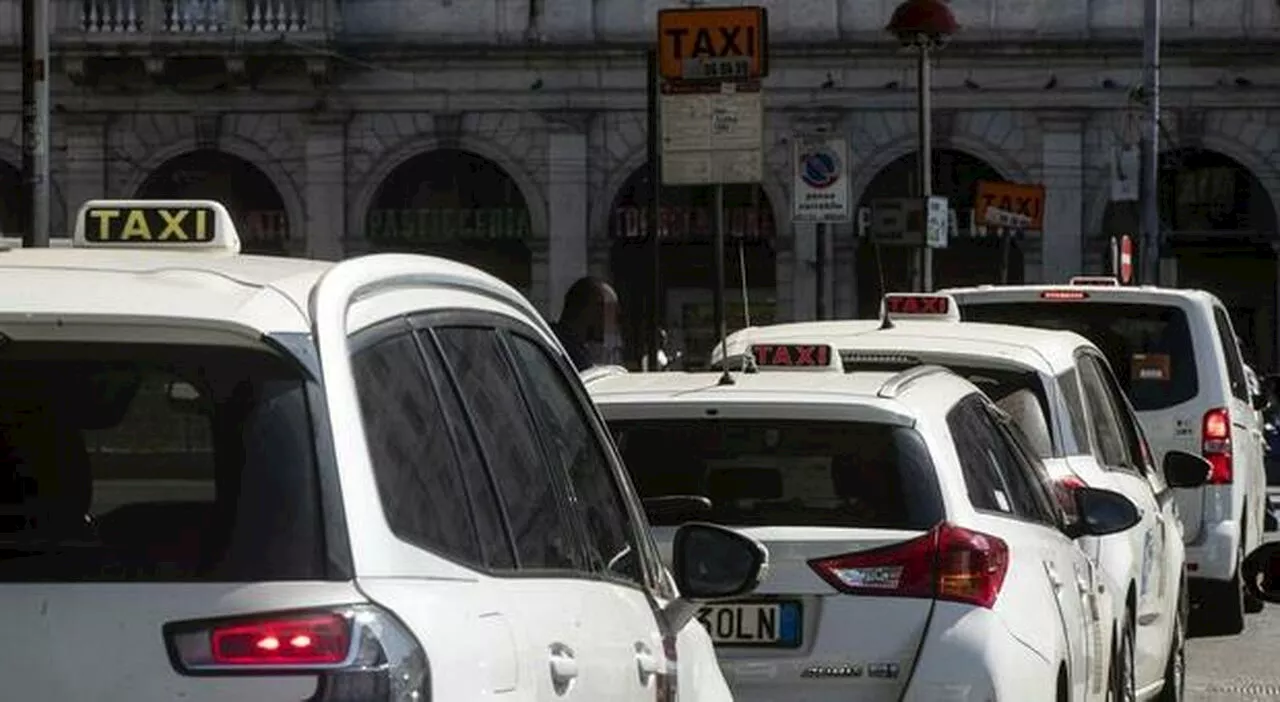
668, 510
1261, 572
1102, 512
1185, 470
709, 563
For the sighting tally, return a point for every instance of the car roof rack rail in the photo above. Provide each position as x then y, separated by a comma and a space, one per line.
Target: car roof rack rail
899, 382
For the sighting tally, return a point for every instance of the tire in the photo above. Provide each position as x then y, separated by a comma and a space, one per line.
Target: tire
1175, 670
1221, 613
1122, 686
1252, 605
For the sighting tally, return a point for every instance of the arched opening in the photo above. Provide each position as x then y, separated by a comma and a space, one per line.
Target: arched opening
456, 205
248, 194
969, 259
687, 261
10, 200
1219, 225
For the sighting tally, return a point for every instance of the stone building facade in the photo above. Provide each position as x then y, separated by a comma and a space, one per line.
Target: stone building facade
511, 133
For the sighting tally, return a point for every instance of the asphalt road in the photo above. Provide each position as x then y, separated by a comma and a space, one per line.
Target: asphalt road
1237, 668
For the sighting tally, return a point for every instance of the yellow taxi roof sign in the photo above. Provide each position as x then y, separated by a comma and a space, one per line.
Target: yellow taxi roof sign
155, 224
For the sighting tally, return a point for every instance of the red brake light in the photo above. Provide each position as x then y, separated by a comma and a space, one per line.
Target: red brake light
319, 639
1215, 445
949, 563
1064, 295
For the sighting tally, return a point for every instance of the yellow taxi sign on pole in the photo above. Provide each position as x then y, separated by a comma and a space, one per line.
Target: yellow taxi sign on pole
155, 224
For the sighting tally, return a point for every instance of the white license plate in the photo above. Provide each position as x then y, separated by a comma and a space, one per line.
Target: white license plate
753, 623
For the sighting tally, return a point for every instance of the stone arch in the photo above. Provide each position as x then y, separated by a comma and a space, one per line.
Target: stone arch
244, 149
392, 159
904, 144
602, 206
11, 156
253, 199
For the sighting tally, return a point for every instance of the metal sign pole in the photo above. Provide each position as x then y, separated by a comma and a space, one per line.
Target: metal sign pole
655, 213
35, 122
820, 274
926, 166
721, 330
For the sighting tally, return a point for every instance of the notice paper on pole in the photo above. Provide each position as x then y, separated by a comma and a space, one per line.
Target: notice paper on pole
820, 190
710, 138
937, 222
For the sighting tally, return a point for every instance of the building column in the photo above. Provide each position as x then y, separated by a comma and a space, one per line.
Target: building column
85, 174
1062, 241
325, 193
567, 194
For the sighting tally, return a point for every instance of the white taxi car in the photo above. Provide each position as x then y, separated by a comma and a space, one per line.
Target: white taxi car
917, 551
229, 477
1176, 356
1060, 390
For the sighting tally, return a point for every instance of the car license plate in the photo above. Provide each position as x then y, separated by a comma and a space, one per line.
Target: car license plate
764, 623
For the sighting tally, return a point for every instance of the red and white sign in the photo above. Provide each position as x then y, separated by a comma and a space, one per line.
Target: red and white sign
1126, 260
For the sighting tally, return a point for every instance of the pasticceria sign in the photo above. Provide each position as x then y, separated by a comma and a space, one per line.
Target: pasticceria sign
447, 225
142, 224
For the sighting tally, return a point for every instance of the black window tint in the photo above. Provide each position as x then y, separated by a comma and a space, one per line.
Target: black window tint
1068, 386
766, 472
1025, 459
1231, 349
1112, 450
572, 440
544, 537
1135, 451
156, 463
1148, 345
414, 464
992, 478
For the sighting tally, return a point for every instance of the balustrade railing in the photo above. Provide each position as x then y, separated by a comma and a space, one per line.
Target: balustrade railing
193, 17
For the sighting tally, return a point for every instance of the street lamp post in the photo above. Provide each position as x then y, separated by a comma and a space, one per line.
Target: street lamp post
924, 25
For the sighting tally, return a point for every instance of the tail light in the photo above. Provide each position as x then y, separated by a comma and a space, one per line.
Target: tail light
1064, 489
1215, 445
947, 563
359, 652
1064, 295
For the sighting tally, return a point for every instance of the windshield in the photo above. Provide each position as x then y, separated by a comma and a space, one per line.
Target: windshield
131, 462
776, 472
1148, 345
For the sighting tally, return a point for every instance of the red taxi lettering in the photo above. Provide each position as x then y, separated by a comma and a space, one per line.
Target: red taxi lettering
916, 304
791, 355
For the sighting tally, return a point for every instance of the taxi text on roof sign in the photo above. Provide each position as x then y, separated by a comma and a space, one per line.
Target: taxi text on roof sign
919, 306
156, 224
689, 38
791, 355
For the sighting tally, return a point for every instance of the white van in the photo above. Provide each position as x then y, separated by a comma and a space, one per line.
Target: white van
1176, 355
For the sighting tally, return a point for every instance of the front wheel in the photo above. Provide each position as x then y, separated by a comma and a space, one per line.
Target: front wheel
1221, 612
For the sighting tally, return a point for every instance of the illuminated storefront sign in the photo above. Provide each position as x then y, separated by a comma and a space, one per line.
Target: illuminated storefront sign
692, 223
448, 224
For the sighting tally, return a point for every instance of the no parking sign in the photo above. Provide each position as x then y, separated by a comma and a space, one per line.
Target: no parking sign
821, 183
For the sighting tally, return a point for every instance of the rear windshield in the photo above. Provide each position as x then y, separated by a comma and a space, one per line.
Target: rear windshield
1148, 345
157, 463
786, 473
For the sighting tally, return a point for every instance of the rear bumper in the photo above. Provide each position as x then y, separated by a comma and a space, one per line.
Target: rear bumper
1212, 557
971, 656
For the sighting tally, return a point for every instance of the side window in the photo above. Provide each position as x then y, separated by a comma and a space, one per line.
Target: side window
1135, 445
572, 441
528, 488
416, 469
994, 481
1235, 364
1106, 426
1069, 387
1043, 490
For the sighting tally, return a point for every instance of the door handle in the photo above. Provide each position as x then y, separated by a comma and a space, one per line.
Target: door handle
564, 667
645, 662
1053, 576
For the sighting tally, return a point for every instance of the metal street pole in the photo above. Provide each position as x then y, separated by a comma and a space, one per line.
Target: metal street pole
820, 269
1149, 173
718, 300
35, 122
926, 163
654, 222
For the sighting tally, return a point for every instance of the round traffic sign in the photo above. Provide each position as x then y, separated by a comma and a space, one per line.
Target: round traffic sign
820, 168
1126, 259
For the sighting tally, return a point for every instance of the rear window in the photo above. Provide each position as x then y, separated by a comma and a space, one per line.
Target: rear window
786, 473
1148, 345
156, 463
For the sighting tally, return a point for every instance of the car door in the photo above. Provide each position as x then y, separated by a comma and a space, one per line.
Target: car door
619, 546
1119, 452
1038, 530
607, 643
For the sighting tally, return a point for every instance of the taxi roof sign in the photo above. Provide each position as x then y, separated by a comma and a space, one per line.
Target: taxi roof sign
796, 356
919, 306
156, 224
